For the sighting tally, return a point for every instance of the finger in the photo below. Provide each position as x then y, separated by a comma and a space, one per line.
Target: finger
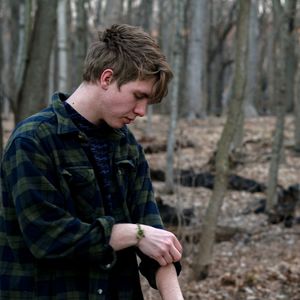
178, 245
161, 260
176, 255
168, 258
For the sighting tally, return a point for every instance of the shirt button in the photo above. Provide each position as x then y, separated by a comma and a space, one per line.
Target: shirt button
99, 291
81, 137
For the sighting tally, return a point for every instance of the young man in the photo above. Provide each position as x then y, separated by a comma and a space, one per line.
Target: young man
77, 201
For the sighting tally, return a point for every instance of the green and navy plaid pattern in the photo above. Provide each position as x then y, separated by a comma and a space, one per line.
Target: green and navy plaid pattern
54, 233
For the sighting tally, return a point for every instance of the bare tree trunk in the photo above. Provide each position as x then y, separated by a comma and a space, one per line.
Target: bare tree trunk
24, 39
62, 45
281, 45
34, 88
1, 88
270, 70
261, 103
176, 64
196, 89
80, 40
10, 50
204, 256
113, 12
145, 20
165, 38
251, 86
291, 62
297, 99
217, 64
249, 109
297, 108
98, 9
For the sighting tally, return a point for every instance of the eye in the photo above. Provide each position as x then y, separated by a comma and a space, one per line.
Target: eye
139, 97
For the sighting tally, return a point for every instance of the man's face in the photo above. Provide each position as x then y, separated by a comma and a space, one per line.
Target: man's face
122, 105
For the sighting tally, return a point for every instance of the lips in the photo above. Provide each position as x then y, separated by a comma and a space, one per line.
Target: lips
128, 120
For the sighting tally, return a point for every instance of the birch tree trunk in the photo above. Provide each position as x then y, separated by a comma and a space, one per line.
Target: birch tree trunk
33, 92
62, 46
176, 65
204, 256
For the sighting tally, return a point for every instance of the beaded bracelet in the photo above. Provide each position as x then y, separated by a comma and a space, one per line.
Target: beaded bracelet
139, 233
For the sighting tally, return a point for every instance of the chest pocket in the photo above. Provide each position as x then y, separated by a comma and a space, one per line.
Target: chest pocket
85, 195
125, 171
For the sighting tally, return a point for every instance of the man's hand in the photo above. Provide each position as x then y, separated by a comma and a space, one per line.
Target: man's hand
161, 245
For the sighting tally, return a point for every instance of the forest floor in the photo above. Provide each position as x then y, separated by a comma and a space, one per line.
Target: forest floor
262, 262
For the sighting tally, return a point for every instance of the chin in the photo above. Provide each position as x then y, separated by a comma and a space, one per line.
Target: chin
117, 126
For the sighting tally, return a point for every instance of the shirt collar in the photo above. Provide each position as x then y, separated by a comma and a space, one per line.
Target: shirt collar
66, 124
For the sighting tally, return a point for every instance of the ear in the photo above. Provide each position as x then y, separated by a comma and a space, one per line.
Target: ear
106, 78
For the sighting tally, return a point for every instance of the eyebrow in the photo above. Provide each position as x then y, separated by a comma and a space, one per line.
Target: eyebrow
143, 94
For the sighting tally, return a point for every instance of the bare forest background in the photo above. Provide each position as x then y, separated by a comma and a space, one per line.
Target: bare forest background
235, 63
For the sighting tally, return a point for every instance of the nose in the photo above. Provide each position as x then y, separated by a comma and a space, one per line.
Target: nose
140, 108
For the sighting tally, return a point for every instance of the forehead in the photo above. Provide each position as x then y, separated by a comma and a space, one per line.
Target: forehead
144, 86
141, 88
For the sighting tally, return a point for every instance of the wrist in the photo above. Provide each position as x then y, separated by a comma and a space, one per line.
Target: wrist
140, 234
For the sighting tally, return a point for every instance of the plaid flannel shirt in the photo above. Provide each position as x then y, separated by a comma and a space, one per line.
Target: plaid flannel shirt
54, 233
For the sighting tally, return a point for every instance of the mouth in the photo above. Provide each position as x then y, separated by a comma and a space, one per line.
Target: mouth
128, 120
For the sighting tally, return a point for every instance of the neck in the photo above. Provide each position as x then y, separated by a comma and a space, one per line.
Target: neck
83, 100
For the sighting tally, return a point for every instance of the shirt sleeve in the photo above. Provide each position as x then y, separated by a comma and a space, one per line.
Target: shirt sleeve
49, 230
146, 212
148, 268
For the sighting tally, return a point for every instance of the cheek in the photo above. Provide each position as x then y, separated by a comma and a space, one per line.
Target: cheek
125, 105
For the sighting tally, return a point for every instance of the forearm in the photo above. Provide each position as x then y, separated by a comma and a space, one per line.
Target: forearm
167, 283
123, 236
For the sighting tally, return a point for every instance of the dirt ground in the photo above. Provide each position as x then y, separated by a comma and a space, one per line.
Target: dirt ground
262, 263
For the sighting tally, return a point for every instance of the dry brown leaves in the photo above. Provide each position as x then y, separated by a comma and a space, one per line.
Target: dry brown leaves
263, 264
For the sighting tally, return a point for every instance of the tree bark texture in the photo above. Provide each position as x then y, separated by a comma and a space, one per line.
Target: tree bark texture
196, 89
80, 41
62, 45
1, 87
113, 12
204, 257
33, 93
10, 41
280, 52
176, 63
251, 86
